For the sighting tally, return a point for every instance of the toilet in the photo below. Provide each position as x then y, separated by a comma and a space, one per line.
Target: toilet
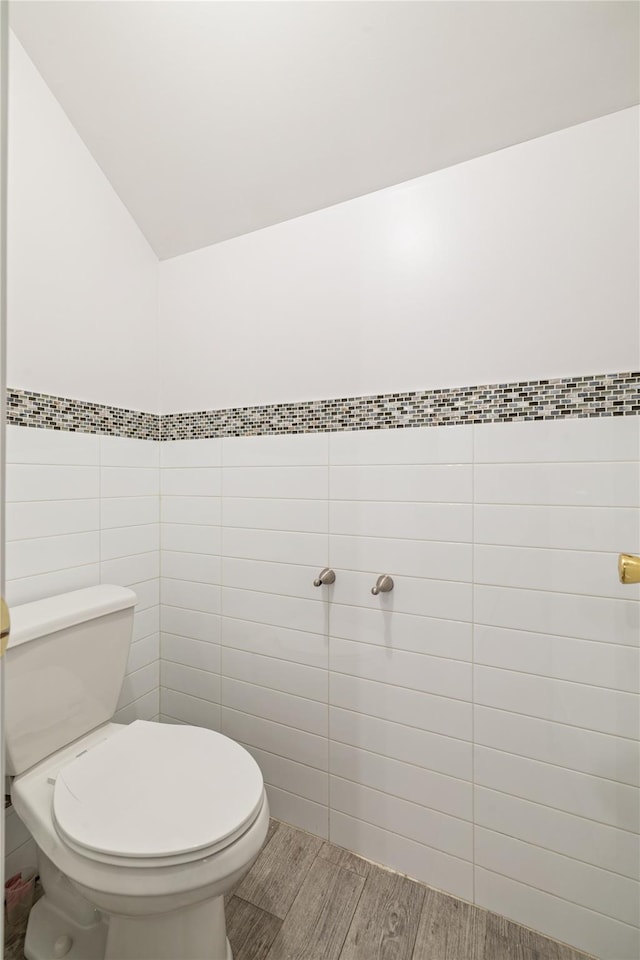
141, 829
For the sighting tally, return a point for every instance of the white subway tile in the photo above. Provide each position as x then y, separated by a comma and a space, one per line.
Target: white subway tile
432, 751
415, 445
147, 592
563, 658
36, 482
294, 678
15, 832
406, 856
403, 558
43, 518
191, 710
594, 708
585, 929
283, 708
417, 671
50, 584
566, 528
146, 708
300, 449
405, 521
129, 452
146, 622
194, 682
129, 570
570, 484
129, 511
606, 847
24, 857
26, 445
137, 684
128, 541
196, 510
309, 616
28, 558
192, 653
276, 546
450, 483
296, 778
190, 482
128, 482
191, 453
613, 758
588, 886
289, 483
204, 597
190, 623
197, 567
410, 820
452, 718
304, 516
191, 538
302, 813
276, 641
615, 804
404, 780
605, 438
440, 638
284, 741
560, 614
143, 652
560, 571
294, 580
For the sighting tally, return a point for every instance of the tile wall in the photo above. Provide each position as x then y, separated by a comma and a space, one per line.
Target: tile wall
477, 728
83, 510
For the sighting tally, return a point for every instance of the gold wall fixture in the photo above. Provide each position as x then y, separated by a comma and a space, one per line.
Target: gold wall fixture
5, 626
629, 568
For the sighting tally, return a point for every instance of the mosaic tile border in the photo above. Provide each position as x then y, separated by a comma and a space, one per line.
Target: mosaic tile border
25, 408
605, 395
600, 395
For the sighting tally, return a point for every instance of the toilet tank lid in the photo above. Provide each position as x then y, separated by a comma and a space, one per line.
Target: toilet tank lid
41, 617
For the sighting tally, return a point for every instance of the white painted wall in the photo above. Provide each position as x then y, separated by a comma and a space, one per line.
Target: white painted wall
520, 264
82, 280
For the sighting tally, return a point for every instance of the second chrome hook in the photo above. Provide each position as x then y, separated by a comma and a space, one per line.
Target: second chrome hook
384, 584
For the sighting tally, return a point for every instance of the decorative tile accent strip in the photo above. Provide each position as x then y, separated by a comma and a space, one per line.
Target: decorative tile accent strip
601, 395
28, 409
606, 395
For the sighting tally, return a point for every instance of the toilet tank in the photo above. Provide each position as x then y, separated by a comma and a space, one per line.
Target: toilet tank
64, 667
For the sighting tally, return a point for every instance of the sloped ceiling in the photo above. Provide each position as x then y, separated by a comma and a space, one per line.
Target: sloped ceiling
214, 119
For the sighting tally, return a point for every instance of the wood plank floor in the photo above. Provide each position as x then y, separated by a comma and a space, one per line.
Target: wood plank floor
328, 904
305, 899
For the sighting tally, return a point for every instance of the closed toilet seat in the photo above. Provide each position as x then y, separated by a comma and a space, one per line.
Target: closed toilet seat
155, 795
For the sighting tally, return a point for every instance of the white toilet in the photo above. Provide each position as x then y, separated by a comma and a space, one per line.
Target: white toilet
141, 829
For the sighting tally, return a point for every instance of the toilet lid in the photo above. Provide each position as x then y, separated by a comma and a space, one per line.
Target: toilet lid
157, 790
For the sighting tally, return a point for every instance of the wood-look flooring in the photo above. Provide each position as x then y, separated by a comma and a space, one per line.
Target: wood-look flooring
305, 899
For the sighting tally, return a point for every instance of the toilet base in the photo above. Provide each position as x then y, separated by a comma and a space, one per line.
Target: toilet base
51, 934
195, 933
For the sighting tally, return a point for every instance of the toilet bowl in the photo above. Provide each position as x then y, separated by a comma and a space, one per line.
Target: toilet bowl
141, 829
